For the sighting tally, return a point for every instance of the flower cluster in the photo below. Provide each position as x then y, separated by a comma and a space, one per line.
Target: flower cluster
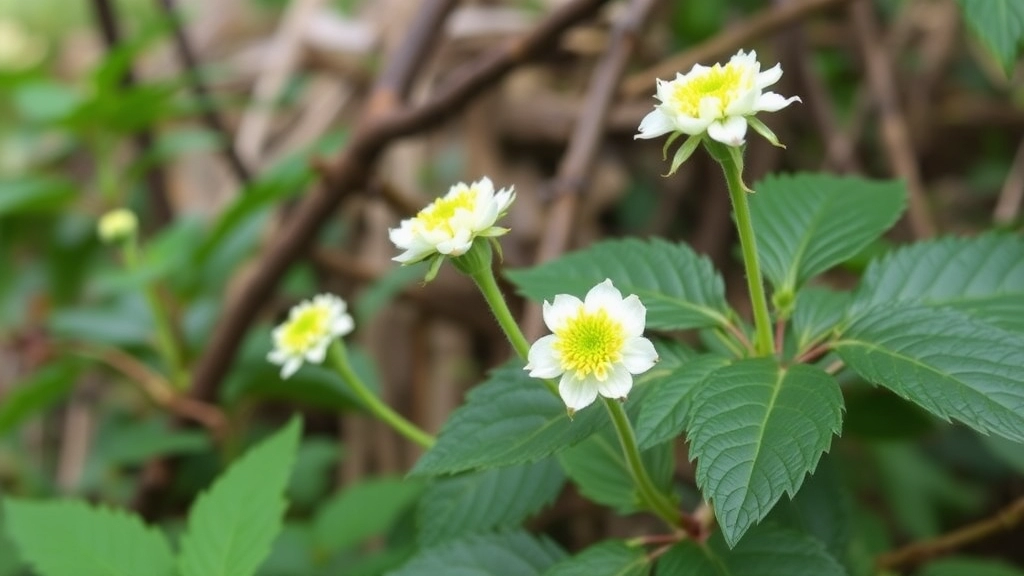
311, 327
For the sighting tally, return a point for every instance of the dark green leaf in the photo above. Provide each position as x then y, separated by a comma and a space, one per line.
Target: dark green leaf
999, 24
1008, 451
36, 393
510, 554
611, 558
756, 430
665, 409
878, 414
818, 311
969, 567
363, 510
314, 470
823, 509
679, 288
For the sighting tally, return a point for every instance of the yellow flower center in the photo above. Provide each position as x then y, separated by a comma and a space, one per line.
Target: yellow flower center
440, 213
304, 330
725, 83
590, 344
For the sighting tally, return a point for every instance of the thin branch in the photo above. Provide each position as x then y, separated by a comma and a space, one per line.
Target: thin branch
764, 23
351, 171
211, 117
577, 163
1012, 195
917, 552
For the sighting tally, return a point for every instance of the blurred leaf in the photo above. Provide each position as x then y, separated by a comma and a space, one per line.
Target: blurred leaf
36, 393
170, 145
1008, 451
475, 502
10, 562
384, 289
818, 311
679, 288
767, 550
756, 430
963, 566
70, 538
878, 414
665, 410
135, 443
361, 511
610, 558
312, 477
999, 24
508, 554
822, 509
35, 194
232, 525
291, 554
807, 223
46, 102
168, 255
123, 322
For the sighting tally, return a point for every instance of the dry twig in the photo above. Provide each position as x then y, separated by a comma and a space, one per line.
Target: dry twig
1010, 199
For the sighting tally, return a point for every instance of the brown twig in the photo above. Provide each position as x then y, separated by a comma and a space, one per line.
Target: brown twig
352, 169
780, 335
895, 132
210, 116
917, 552
763, 23
1010, 198
571, 180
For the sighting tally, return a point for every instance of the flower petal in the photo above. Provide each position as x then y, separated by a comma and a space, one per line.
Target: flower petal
577, 394
618, 384
772, 102
769, 77
638, 355
290, 367
655, 124
730, 131
605, 295
542, 360
558, 312
632, 314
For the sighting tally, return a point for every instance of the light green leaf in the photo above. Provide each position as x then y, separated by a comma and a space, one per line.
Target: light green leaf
999, 24
981, 276
611, 558
679, 288
35, 194
509, 554
665, 409
808, 223
817, 312
970, 566
476, 502
509, 419
756, 430
36, 393
232, 525
945, 361
361, 511
71, 538
768, 550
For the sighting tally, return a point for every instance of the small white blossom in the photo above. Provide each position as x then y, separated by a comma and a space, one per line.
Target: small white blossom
311, 327
449, 225
596, 345
720, 100
117, 225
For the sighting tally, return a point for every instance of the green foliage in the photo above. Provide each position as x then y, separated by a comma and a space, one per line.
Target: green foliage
35, 194
817, 313
972, 566
495, 499
999, 24
507, 554
756, 429
945, 361
509, 419
232, 525
679, 288
362, 510
36, 393
808, 223
666, 408
823, 509
69, 538
611, 558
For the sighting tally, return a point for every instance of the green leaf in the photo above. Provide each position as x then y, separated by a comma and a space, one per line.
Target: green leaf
981, 276
756, 430
509, 419
232, 525
679, 288
35, 194
599, 469
313, 477
361, 511
611, 558
768, 550
71, 538
808, 223
818, 311
36, 393
476, 502
999, 24
876, 413
666, 408
823, 509
969, 566
1009, 452
509, 554
945, 361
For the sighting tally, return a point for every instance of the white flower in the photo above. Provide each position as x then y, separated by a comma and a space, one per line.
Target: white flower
449, 225
117, 225
720, 100
311, 327
596, 347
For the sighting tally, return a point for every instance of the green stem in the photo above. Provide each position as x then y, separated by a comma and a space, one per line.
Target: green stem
655, 500
732, 165
339, 359
166, 343
492, 294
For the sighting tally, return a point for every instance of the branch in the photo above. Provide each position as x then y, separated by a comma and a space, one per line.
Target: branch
1012, 194
918, 552
210, 115
352, 169
765, 22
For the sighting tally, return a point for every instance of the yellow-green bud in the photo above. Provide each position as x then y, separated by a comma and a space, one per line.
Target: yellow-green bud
117, 226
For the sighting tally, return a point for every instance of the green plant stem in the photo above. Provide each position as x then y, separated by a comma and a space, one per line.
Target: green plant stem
338, 358
733, 168
655, 500
166, 343
492, 294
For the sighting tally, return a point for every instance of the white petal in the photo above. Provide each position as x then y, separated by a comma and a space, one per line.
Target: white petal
655, 124
769, 77
343, 325
692, 126
458, 245
632, 314
638, 355
772, 102
401, 236
710, 108
604, 295
559, 311
277, 356
730, 131
484, 186
745, 105
542, 360
618, 384
290, 367
577, 394
317, 353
